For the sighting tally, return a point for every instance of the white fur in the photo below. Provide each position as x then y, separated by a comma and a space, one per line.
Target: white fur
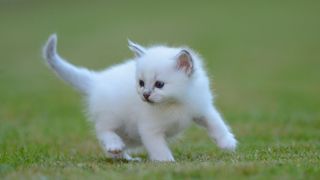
122, 117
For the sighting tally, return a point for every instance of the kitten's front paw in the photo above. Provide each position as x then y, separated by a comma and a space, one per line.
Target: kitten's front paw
227, 142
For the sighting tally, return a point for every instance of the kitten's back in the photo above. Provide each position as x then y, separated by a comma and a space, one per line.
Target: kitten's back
114, 89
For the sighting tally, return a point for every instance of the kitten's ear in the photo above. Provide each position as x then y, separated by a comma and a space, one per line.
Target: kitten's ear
185, 62
136, 48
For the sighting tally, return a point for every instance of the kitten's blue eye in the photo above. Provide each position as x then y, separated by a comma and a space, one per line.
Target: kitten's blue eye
159, 84
141, 83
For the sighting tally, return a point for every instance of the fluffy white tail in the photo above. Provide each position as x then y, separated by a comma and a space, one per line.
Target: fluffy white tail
78, 77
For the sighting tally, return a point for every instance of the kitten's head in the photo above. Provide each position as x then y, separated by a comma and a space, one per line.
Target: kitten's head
162, 73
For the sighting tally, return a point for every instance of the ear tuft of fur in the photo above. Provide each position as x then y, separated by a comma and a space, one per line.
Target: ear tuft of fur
185, 62
136, 48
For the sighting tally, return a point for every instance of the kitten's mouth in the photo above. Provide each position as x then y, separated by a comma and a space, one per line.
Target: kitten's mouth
148, 101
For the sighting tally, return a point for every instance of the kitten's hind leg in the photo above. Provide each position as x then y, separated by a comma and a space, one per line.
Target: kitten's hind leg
114, 146
217, 129
112, 143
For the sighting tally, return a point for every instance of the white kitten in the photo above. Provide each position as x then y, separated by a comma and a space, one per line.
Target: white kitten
146, 99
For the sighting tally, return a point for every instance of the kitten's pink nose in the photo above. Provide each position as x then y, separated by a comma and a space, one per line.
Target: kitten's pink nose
146, 95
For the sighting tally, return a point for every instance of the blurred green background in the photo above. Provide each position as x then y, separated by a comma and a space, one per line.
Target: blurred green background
263, 58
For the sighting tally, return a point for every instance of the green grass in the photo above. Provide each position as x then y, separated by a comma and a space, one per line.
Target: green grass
264, 58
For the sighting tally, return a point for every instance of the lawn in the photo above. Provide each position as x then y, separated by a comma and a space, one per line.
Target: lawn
263, 58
